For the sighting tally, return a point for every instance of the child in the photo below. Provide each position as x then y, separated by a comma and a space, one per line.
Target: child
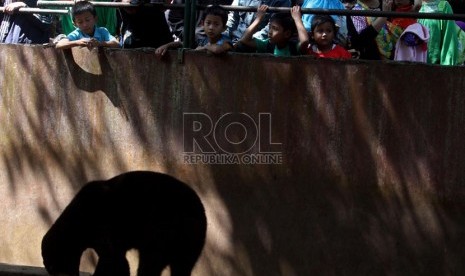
349, 4
403, 6
214, 24
87, 34
323, 32
281, 29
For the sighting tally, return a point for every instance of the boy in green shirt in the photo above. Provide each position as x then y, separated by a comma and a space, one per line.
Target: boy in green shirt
281, 30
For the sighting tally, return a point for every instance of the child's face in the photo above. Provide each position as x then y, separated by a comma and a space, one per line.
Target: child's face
277, 34
324, 35
85, 22
349, 5
213, 26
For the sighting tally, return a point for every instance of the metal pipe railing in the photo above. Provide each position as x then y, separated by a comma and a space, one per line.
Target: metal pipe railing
106, 4
192, 23
187, 30
37, 10
273, 9
190, 8
355, 12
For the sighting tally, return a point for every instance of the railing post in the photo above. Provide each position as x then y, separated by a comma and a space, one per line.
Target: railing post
187, 24
193, 22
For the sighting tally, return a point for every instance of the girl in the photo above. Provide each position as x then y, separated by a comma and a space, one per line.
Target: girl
323, 33
341, 34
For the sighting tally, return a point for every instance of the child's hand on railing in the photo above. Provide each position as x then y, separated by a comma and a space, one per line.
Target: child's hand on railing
296, 13
261, 11
13, 7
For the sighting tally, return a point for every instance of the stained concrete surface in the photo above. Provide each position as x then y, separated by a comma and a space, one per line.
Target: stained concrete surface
372, 180
19, 270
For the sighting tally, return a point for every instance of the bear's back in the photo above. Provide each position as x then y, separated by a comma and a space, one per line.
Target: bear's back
151, 194
138, 206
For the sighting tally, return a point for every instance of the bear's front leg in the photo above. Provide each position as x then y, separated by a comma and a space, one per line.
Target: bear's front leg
113, 264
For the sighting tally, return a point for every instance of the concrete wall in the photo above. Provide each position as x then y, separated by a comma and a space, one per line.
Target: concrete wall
371, 180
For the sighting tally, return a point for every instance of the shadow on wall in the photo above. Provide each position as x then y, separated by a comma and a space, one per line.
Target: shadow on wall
371, 179
369, 162
51, 120
154, 213
94, 68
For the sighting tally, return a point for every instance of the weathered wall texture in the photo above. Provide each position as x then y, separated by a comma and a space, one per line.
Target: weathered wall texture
371, 182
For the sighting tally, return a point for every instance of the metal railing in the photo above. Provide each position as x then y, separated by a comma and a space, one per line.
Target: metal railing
270, 9
190, 10
37, 10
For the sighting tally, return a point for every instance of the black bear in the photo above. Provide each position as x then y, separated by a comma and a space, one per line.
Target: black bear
156, 214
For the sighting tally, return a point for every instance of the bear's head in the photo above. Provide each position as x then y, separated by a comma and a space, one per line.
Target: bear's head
60, 257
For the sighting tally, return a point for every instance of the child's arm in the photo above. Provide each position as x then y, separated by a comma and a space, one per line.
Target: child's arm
303, 35
65, 43
215, 48
161, 51
111, 43
416, 5
247, 38
379, 22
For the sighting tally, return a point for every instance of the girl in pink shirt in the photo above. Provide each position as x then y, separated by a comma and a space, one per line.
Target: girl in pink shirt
323, 32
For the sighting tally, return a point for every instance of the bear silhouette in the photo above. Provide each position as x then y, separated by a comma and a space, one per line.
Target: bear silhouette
156, 214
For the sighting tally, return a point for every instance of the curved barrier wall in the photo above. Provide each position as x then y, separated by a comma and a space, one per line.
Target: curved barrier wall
306, 167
